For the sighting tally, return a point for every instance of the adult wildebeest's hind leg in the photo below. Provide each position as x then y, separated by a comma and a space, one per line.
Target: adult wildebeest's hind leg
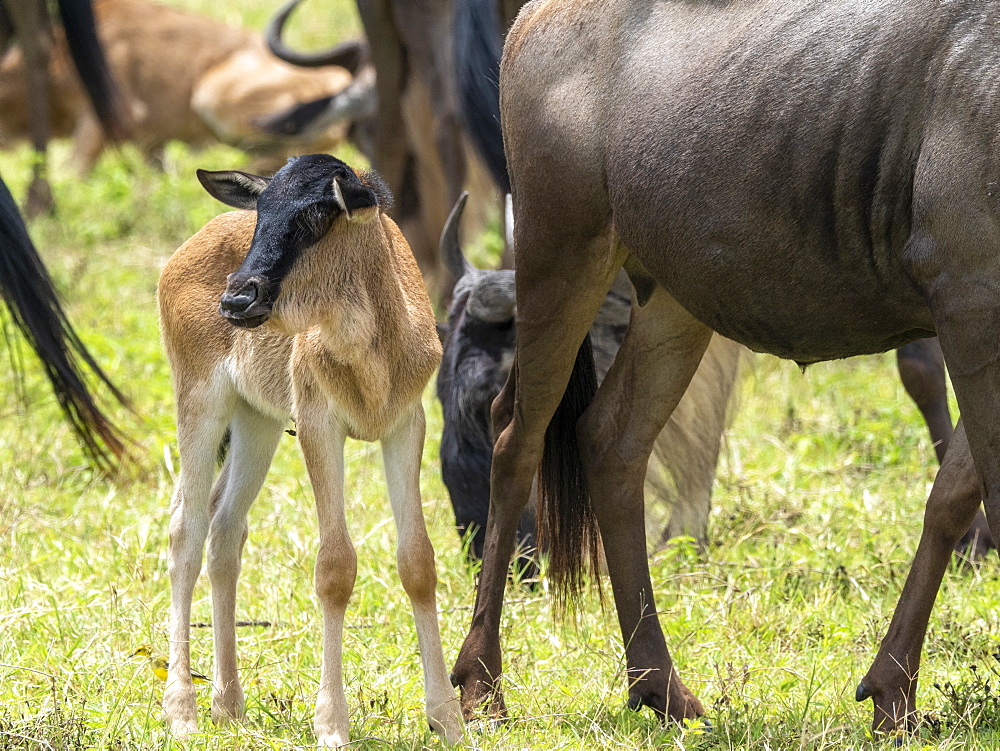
959, 279
921, 369
203, 412
322, 439
658, 357
891, 682
555, 310
401, 451
253, 439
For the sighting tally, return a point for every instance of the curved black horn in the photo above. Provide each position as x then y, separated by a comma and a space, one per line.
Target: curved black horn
350, 54
449, 247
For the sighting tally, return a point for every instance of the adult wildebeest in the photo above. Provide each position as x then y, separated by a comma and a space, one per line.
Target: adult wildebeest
308, 303
183, 77
812, 179
478, 351
478, 29
28, 22
25, 285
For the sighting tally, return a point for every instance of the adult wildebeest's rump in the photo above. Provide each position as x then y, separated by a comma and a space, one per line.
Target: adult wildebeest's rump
812, 179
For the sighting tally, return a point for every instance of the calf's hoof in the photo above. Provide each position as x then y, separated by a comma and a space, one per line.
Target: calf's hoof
332, 740
180, 711
228, 707
446, 720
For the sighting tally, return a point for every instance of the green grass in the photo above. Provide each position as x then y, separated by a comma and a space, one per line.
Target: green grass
817, 512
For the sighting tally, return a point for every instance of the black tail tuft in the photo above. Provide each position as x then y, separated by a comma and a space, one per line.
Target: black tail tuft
566, 521
36, 312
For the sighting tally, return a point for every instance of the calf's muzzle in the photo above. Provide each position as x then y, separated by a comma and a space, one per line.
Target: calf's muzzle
246, 302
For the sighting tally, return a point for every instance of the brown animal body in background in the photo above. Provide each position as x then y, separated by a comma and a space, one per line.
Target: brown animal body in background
418, 142
184, 77
28, 24
810, 179
329, 322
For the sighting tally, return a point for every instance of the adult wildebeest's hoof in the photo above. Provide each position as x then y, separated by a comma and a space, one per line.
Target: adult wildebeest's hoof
480, 696
679, 705
894, 710
861, 692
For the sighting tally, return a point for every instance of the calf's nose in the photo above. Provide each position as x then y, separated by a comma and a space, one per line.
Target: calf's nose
239, 299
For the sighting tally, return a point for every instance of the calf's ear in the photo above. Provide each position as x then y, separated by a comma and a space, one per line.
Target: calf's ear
237, 189
352, 196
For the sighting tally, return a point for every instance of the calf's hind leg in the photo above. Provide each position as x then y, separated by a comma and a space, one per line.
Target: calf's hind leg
660, 353
401, 452
254, 437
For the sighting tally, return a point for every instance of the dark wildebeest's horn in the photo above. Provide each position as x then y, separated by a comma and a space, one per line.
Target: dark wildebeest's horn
449, 247
350, 54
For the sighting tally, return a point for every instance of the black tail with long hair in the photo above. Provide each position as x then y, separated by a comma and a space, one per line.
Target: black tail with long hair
88, 57
566, 520
478, 39
35, 310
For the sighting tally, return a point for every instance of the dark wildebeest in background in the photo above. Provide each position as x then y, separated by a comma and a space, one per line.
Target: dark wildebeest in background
25, 285
478, 351
816, 180
28, 22
479, 27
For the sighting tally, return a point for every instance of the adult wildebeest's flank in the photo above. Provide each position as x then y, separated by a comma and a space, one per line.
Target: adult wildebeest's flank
478, 29
478, 352
183, 77
307, 304
28, 23
812, 179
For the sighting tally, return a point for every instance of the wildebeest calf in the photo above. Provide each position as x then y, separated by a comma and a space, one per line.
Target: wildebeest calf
324, 317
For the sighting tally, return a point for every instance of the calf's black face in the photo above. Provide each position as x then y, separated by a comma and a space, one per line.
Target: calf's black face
295, 209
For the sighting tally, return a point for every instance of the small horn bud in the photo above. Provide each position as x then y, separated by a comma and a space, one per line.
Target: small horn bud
338, 195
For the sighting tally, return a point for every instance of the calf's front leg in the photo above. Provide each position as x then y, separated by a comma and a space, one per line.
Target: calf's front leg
201, 422
322, 439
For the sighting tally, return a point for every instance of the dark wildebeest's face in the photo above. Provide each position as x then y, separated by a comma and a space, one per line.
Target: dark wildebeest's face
295, 210
478, 352
477, 358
